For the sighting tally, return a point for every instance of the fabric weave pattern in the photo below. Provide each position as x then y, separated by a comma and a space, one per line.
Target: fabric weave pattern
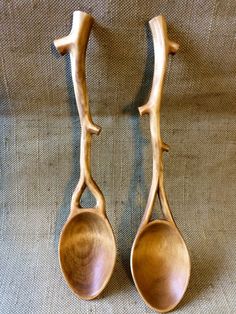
40, 137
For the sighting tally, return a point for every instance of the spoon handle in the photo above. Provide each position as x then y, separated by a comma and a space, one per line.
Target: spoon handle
76, 44
162, 47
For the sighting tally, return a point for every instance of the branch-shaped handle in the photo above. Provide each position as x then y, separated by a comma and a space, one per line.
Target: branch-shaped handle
162, 47
76, 44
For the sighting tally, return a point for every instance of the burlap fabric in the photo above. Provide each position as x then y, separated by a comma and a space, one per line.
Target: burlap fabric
40, 136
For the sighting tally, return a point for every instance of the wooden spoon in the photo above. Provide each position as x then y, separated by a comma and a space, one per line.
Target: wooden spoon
160, 262
87, 250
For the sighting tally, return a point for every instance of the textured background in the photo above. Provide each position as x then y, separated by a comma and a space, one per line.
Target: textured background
39, 146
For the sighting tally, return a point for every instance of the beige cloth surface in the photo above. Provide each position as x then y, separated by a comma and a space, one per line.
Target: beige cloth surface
40, 136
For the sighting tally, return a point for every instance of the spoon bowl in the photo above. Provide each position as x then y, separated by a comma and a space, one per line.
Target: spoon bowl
87, 253
164, 275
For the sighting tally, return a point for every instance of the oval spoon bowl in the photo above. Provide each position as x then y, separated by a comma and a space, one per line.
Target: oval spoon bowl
160, 265
87, 254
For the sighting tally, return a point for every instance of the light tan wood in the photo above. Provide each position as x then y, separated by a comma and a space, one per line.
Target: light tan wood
160, 262
87, 249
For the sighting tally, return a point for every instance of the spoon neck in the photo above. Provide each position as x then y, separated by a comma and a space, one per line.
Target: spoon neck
76, 44
162, 47
85, 154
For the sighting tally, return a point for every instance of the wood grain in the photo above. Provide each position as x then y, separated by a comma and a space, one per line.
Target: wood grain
160, 262
87, 250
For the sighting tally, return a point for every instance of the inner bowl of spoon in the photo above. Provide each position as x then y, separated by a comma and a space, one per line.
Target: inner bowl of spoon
87, 253
160, 265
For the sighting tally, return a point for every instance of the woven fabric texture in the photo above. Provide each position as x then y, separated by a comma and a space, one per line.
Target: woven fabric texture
40, 137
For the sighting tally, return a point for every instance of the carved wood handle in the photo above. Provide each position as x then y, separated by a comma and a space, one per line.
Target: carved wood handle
76, 44
162, 47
